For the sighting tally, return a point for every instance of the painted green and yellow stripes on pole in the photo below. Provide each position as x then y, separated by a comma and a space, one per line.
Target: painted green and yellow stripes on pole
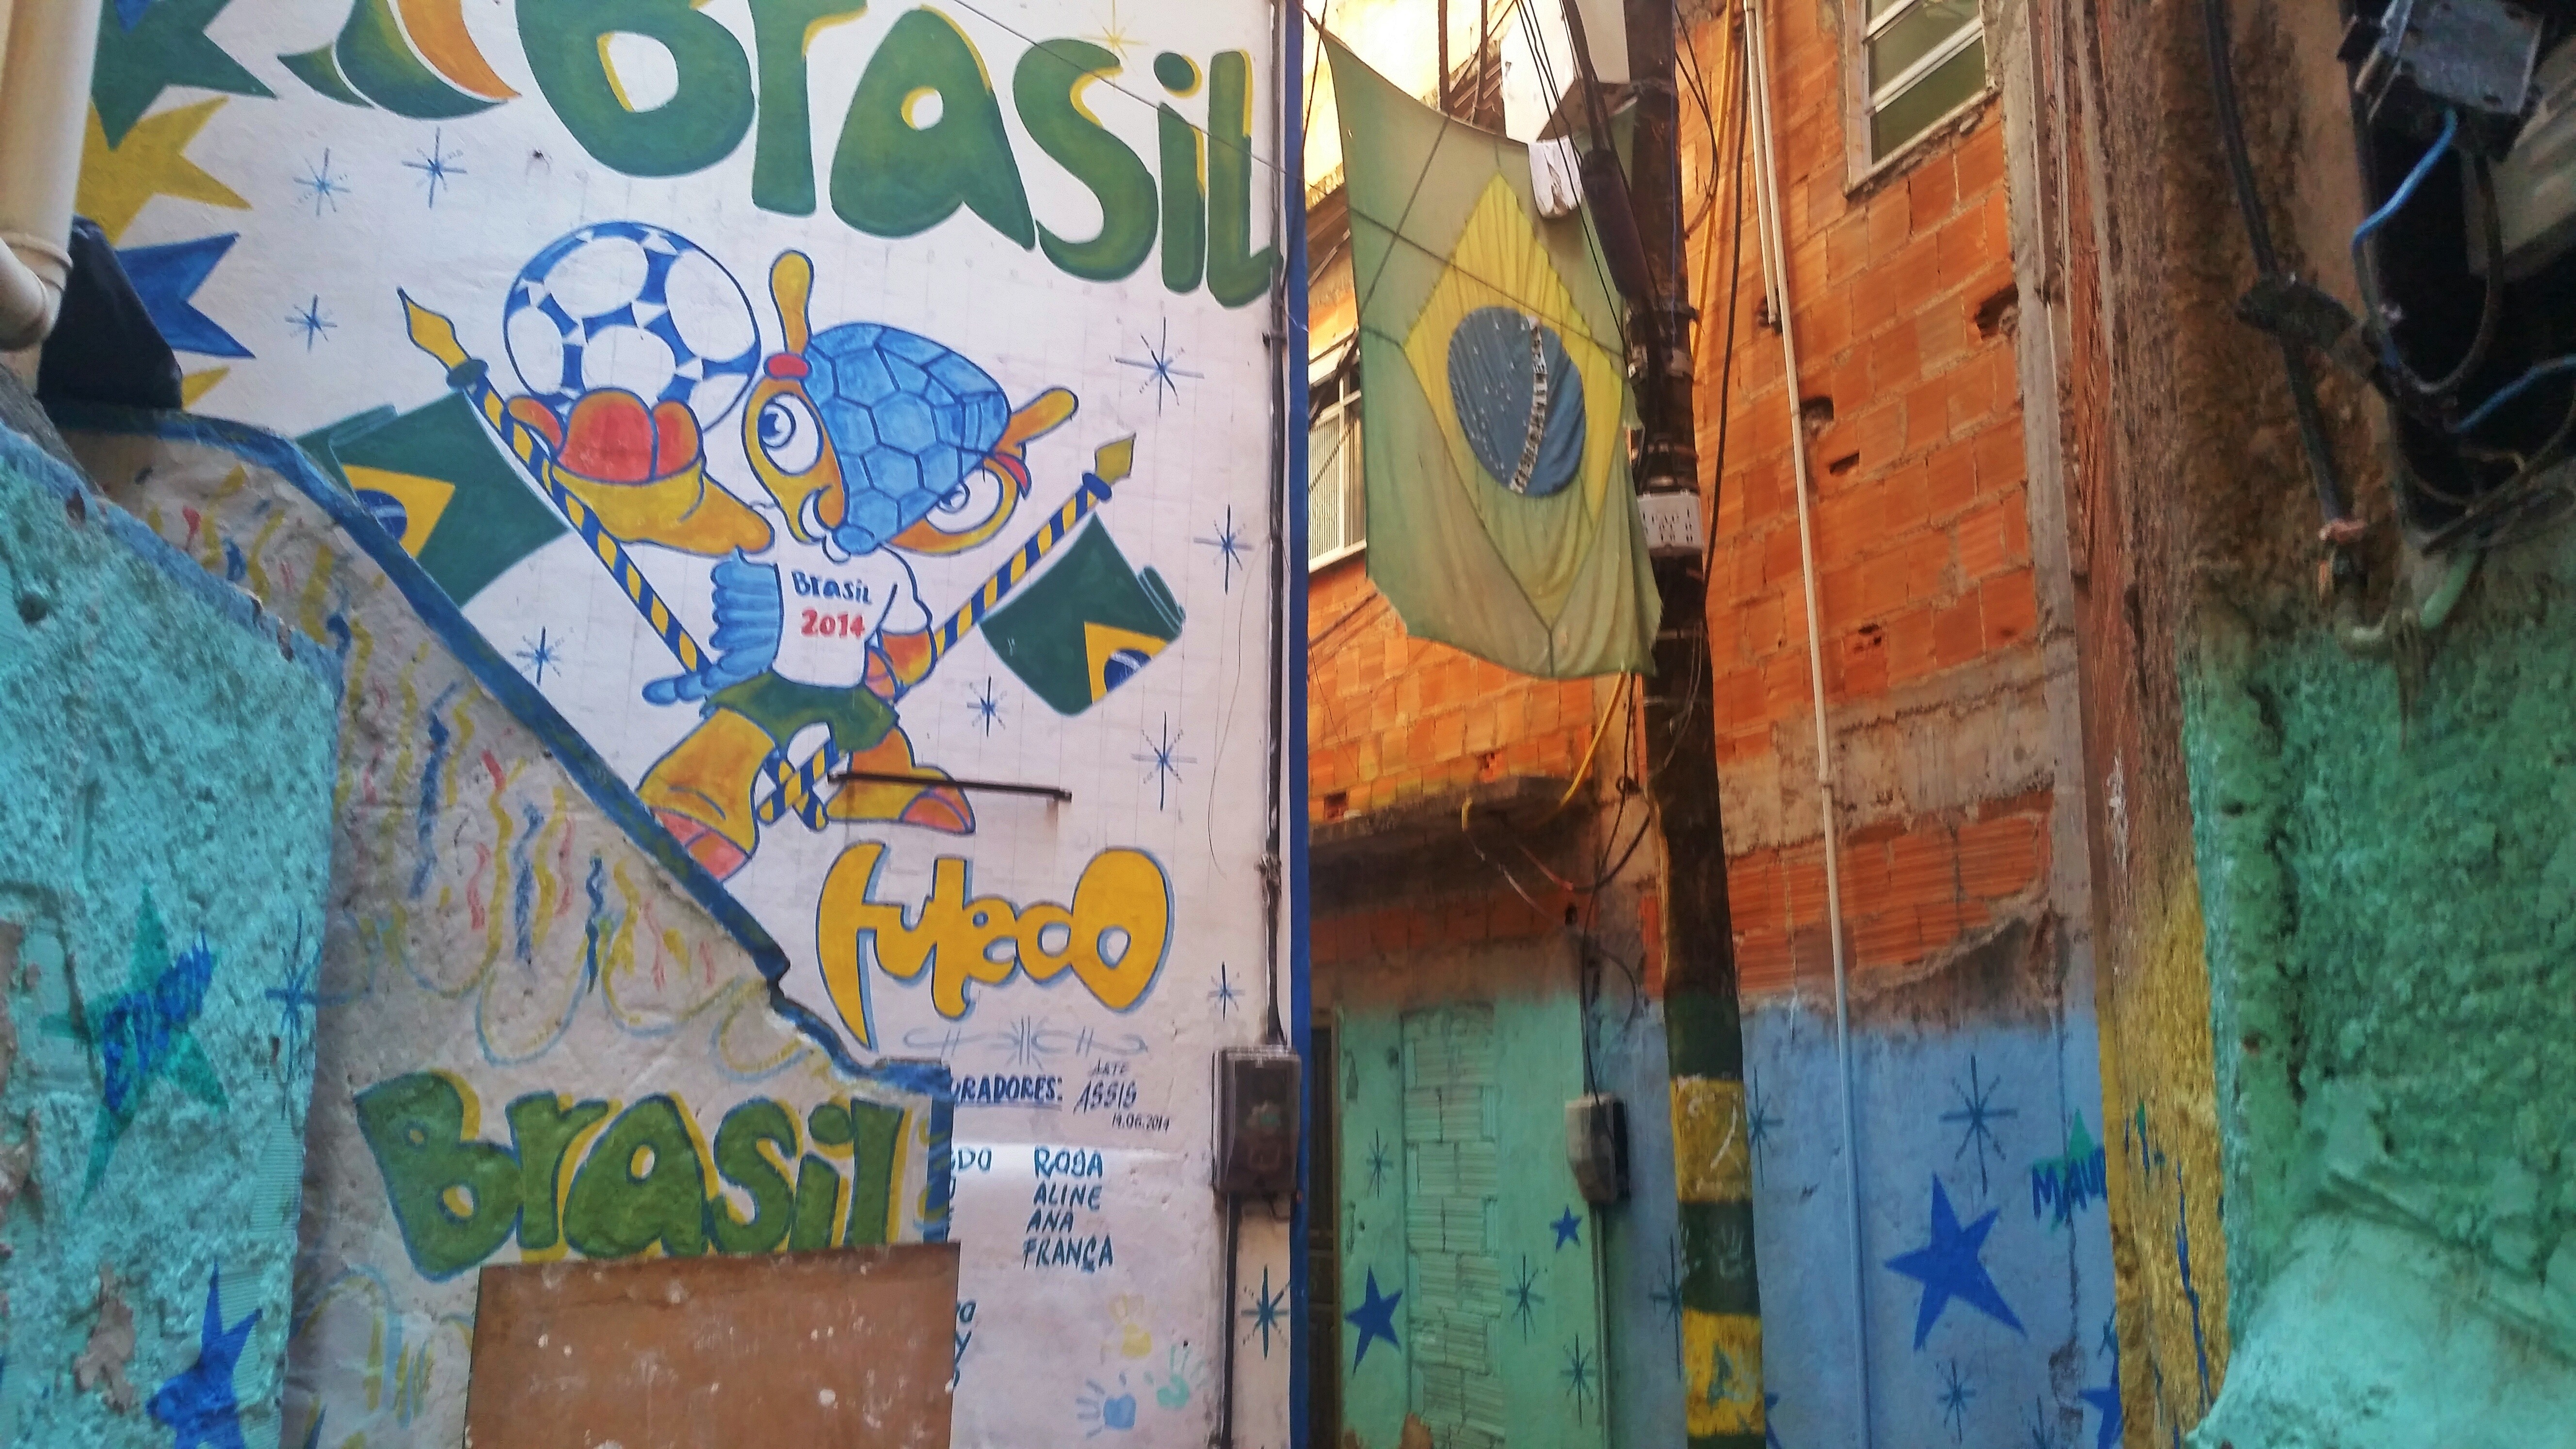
1713, 1179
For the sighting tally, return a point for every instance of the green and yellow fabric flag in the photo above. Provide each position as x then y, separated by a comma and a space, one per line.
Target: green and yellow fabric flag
1493, 398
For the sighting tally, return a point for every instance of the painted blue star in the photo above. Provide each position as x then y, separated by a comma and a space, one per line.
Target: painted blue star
1160, 366
321, 185
2107, 1399
1955, 1395
1948, 1267
540, 653
987, 707
1978, 1114
166, 277
1228, 544
2110, 1343
1375, 1319
1163, 767
1568, 1229
1523, 1296
1770, 1436
310, 321
1225, 996
198, 1402
1265, 1312
1379, 1161
437, 165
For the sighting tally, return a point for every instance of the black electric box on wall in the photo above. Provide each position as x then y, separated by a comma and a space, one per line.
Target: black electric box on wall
1596, 1146
1259, 1091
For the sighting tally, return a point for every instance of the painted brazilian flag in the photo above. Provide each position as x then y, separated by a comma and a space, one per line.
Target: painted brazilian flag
1494, 403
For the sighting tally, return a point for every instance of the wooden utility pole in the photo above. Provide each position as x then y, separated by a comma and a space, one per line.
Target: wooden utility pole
1704, 1039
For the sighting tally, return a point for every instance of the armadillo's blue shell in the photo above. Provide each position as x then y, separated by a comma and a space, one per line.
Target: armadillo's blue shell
907, 416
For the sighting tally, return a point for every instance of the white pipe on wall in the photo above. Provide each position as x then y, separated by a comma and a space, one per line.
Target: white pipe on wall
1758, 66
44, 108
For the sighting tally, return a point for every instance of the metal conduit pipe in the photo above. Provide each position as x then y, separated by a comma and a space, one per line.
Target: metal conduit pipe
1758, 67
44, 103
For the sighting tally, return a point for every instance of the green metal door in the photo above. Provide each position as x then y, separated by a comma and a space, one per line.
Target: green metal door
1470, 1294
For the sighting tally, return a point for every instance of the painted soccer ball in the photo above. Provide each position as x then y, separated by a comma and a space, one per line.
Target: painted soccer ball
625, 305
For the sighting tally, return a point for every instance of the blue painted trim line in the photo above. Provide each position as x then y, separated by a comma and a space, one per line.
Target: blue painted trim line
1292, 181
232, 603
526, 704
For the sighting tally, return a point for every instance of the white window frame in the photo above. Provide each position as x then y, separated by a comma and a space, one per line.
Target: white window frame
1864, 103
1343, 410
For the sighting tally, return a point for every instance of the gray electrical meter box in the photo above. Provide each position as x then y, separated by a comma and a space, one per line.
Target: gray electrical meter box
1258, 1096
1596, 1146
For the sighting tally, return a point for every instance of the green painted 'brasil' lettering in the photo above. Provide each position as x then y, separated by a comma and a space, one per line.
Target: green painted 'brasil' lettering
923, 136
1047, 88
706, 116
901, 170
646, 1184
782, 157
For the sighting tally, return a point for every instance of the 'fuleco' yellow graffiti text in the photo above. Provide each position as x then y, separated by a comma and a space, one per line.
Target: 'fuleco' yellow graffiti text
1113, 938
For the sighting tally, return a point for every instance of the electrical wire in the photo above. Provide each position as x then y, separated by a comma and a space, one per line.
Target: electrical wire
2515, 389
2407, 188
2339, 523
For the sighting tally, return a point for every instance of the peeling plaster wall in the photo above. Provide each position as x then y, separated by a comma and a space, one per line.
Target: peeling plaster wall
502, 968
166, 755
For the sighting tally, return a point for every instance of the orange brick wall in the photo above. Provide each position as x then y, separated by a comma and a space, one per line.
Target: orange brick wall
1901, 296
1392, 718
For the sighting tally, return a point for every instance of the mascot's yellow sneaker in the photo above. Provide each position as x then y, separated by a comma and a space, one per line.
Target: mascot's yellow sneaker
643, 471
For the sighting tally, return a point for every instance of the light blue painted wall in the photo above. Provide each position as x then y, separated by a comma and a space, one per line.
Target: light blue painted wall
1642, 1271
166, 758
2028, 1233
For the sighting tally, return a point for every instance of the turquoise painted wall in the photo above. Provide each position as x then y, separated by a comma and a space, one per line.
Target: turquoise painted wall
2391, 906
1454, 1075
166, 758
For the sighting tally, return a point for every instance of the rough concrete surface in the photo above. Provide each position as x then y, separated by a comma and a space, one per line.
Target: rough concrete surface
166, 757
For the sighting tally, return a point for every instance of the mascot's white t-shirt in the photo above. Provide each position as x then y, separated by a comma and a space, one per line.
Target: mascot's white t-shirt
835, 610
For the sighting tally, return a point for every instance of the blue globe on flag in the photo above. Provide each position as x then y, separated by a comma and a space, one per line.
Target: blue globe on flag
627, 305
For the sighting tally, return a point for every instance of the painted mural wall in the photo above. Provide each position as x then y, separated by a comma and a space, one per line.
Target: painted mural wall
528, 1041
833, 414
157, 948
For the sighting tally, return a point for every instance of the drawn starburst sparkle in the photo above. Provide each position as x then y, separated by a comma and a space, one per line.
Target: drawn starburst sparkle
1667, 1295
1225, 995
1162, 765
1265, 1312
1955, 1395
1758, 1120
437, 165
1580, 1372
312, 321
1229, 545
321, 185
1523, 1296
1379, 1161
540, 654
1112, 36
1976, 1116
1161, 366
987, 707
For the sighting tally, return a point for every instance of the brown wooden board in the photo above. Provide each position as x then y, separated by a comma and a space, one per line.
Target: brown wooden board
843, 1349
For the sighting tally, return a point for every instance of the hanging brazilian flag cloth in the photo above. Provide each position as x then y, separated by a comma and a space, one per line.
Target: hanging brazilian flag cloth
1493, 399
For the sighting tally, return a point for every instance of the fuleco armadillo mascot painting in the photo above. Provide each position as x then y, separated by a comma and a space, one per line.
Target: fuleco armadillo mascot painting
869, 447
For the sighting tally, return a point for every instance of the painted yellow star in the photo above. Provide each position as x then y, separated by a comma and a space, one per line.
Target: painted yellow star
116, 180
1111, 37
